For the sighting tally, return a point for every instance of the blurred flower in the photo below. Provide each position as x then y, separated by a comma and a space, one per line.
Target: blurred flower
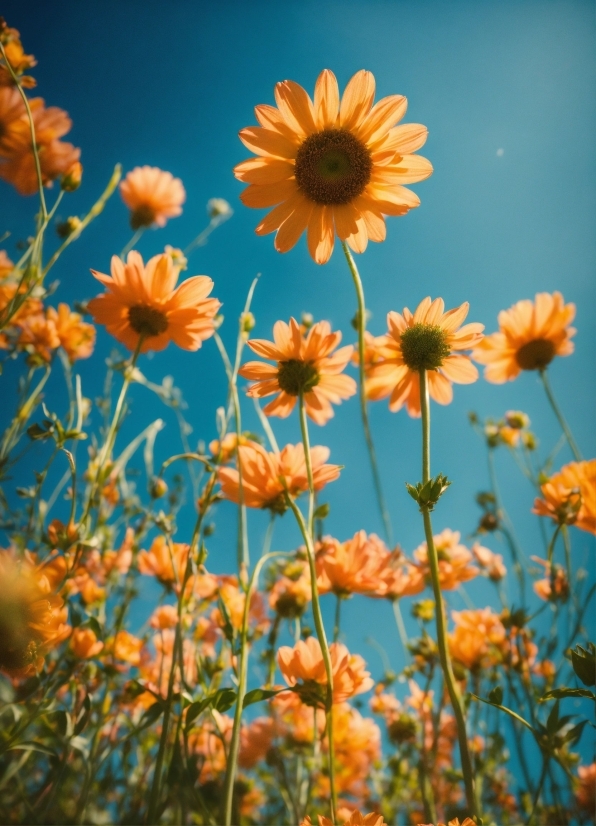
425, 340
178, 258
585, 794
267, 476
357, 742
165, 616
555, 585
152, 196
289, 596
166, 563
477, 639
492, 563
255, 741
223, 451
38, 335
76, 336
142, 300
570, 496
304, 664
32, 616
219, 208
6, 265
530, 335
455, 822
209, 741
305, 364
18, 60
12, 110
333, 168
356, 818
234, 600
126, 647
72, 177
121, 559
84, 643
454, 560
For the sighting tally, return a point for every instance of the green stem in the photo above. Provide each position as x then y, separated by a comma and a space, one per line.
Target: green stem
401, 628
452, 687
557, 411
361, 318
136, 237
336, 625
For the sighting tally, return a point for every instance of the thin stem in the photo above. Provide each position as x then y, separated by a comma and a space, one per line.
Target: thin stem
308, 462
545, 763
202, 237
557, 411
337, 623
401, 628
452, 687
135, 238
361, 318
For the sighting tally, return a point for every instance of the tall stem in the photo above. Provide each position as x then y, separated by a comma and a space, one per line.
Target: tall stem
452, 687
557, 411
361, 318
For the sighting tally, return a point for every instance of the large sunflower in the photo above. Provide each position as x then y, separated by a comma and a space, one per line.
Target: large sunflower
331, 167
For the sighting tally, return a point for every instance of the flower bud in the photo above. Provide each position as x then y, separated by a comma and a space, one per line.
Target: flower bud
67, 227
517, 419
72, 179
158, 488
247, 322
217, 207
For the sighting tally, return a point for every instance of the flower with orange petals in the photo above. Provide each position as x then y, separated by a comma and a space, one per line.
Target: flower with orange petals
84, 644
166, 563
255, 741
477, 639
224, 450
570, 496
290, 596
332, 167
152, 196
77, 338
454, 560
6, 265
164, 616
126, 647
585, 794
306, 365
429, 339
38, 335
143, 301
555, 585
234, 599
32, 615
208, 741
490, 562
455, 822
356, 818
531, 334
16, 57
303, 664
266, 477
351, 567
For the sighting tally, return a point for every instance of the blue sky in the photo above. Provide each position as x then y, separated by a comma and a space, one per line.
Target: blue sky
507, 92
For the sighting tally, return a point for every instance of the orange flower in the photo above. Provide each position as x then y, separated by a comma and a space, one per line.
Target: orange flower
267, 476
6, 265
84, 643
357, 742
165, 616
530, 335
121, 559
291, 594
555, 585
38, 335
19, 61
127, 648
32, 616
76, 336
351, 567
570, 496
141, 301
304, 662
333, 168
477, 639
425, 340
356, 818
255, 741
167, 564
208, 742
12, 111
152, 196
455, 822
223, 451
454, 560
304, 365
586, 790
234, 600
492, 563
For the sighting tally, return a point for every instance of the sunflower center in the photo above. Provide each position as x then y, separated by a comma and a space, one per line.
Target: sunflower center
295, 376
332, 167
142, 216
147, 321
535, 355
424, 347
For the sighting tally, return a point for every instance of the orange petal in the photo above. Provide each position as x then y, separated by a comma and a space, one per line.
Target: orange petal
293, 227
383, 116
263, 170
267, 195
320, 234
459, 369
406, 138
266, 142
326, 100
296, 107
357, 99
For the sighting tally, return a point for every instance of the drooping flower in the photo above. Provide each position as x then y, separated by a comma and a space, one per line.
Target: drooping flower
267, 476
570, 496
77, 337
531, 334
477, 639
303, 664
84, 643
305, 364
143, 300
428, 339
454, 560
554, 587
152, 196
332, 168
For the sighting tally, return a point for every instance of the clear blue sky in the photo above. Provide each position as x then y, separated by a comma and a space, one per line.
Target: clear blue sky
507, 92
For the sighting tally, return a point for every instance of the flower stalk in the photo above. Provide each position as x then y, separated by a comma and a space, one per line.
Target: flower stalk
559, 414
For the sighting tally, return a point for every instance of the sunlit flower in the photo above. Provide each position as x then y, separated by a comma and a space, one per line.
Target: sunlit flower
164, 616
76, 336
224, 450
454, 560
143, 300
219, 208
208, 741
555, 585
431, 340
490, 562
121, 559
234, 600
32, 615
570, 496
12, 110
38, 335
357, 742
295, 719
356, 818
455, 822
267, 476
585, 794
126, 647
18, 60
290, 596
305, 364
166, 563
304, 664
6, 265
156, 672
351, 567
152, 196
333, 168
84, 643
477, 639
530, 335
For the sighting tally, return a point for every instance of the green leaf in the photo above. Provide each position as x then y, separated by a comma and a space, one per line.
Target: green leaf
584, 663
30, 745
562, 693
322, 512
258, 694
84, 716
197, 708
496, 695
225, 699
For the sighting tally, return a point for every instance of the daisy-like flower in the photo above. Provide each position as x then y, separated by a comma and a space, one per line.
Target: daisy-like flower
477, 638
351, 567
429, 339
356, 818
84, 644
570, 496
305, 364
331, 167
77, 337
152, 196
267, 476
531, 334
454, 560
143, 300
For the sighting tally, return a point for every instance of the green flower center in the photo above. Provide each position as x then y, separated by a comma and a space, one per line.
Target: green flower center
297, 376
424, 347
535, 355
142, 216
147, 321
332, 167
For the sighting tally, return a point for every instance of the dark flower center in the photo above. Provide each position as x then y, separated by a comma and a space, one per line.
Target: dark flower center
332, 167
297, 376
424, 347
142, 216
147, 321
535, 355
277, 505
